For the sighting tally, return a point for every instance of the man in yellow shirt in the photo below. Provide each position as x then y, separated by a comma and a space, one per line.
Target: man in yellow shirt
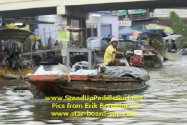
110, 53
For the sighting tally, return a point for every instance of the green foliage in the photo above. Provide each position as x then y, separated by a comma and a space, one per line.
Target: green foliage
122, 48
175, 19
179, 27
183, 44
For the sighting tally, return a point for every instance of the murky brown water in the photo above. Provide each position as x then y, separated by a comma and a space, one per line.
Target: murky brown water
164, 103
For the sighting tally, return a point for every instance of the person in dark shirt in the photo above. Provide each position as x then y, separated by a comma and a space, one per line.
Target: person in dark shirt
174, 47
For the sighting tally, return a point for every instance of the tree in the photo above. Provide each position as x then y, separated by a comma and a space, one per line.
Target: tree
177, 23
179, 26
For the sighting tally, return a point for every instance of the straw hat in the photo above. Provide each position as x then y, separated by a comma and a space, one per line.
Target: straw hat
114, 39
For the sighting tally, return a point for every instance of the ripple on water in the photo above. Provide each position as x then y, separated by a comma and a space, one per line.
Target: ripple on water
164, 103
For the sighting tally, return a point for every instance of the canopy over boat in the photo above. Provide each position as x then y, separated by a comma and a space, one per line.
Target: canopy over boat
12, 46
16, 34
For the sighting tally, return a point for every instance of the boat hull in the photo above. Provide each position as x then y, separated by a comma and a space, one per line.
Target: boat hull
13, 74
152, 60
184, 51
83, 85
173, 56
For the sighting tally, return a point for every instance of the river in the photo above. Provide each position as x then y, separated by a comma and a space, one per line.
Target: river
164, 102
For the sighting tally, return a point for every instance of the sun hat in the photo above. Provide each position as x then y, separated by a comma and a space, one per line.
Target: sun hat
114, 39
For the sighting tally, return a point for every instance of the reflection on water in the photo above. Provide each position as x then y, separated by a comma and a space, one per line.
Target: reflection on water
165, 102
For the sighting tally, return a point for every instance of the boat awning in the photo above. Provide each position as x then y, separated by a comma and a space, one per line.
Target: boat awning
14, 34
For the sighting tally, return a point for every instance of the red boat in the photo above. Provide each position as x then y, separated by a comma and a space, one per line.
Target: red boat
60, 85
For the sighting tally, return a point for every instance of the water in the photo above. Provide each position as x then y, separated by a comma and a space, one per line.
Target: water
164, 103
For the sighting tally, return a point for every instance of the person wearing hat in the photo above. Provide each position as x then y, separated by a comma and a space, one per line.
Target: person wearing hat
110, 53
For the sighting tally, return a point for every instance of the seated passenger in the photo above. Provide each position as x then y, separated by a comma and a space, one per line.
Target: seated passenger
110, 53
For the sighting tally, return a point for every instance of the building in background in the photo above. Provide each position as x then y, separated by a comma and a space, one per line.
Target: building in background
104, 24
137, 16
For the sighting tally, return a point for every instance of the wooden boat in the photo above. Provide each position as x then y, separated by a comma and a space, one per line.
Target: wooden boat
152, 60
74, 84
152, 46
53, 85
12, 62
14, 74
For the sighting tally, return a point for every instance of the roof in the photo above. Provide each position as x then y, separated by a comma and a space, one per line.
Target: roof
75, 29
25, 20
133, 11
16, 34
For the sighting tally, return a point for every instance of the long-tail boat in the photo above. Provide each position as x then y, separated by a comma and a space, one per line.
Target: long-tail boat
12, 48
87, 82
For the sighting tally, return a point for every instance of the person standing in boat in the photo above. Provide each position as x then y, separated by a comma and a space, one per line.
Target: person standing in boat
110, 54
174, 47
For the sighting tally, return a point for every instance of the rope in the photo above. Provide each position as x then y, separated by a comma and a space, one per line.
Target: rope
69, 78
66, 71
21, 74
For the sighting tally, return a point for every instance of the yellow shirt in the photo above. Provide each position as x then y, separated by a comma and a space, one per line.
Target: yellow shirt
109, 54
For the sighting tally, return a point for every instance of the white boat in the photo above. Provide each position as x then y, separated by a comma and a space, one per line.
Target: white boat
171, 51
173, 56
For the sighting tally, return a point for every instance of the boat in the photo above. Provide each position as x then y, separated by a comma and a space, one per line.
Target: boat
113, 80
173, 56
152, 46
184, 51
82, 79
12, 47
172, 51
152, 58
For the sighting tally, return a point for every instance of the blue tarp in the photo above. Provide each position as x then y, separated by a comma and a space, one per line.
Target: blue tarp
126, 31
145, 31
